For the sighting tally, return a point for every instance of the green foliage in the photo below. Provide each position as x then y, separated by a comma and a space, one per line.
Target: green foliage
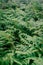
34, 10
21, 33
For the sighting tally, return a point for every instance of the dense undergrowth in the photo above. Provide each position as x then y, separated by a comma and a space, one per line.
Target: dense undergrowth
21, 34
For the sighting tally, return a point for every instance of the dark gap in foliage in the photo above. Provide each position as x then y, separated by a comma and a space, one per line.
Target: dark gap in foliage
31, 42
15, 63
36, 54
35, 18
6, 47
23, 19
3, 27
5, 7
14, 7
31, 61
17, 38
23, 9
